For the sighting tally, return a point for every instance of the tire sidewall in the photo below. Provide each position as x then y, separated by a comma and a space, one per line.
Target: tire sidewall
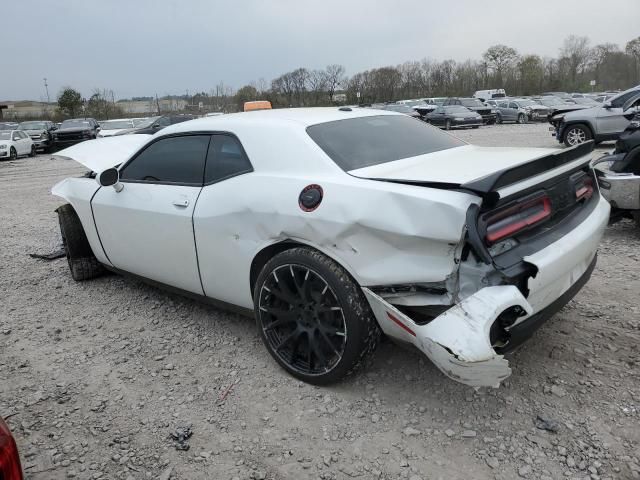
13, 153
350, 297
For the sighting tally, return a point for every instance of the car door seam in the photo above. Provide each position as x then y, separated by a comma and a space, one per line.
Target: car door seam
195, 242
95, 224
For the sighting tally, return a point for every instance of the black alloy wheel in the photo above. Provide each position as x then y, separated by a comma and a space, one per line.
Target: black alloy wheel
302, 320
13, 154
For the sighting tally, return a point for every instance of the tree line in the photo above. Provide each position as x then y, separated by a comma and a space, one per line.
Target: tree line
577, 64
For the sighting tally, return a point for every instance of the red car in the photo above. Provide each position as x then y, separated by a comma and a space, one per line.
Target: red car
10, 468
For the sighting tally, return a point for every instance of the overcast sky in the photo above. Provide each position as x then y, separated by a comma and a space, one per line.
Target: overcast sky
143, 47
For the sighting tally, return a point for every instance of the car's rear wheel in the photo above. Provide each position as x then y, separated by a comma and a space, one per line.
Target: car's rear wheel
82, 262
576, 134
13, 153
475, 126
447, 125
522, 118
313, 317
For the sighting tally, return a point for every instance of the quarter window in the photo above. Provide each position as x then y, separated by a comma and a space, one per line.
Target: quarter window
170, 160
226, 159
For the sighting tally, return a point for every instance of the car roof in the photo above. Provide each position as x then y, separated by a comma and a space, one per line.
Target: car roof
301, 117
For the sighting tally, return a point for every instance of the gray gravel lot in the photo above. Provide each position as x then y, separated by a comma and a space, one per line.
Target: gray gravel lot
95, 376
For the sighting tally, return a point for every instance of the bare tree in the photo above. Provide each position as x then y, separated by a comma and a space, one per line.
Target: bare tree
335, 79
499, 58
576, 53
318, 85
633, 49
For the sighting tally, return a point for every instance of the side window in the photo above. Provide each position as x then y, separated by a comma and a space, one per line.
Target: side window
226, 159
513, 105
503, 104
163, 122
16, 136
620, 101
170, 160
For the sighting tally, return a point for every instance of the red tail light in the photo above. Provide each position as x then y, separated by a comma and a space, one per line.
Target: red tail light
505, 223
9, 460
584, 189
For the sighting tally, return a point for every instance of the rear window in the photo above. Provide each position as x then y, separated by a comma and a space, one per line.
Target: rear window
365, 141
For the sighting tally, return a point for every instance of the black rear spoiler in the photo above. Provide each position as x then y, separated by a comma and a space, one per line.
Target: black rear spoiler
487, 186
509, 176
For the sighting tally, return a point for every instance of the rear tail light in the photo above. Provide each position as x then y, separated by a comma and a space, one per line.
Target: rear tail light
584, 189
9, 460
521, 216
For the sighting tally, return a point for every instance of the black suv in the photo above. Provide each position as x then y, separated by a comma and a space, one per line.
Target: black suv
488, 114
74, 131
155, 124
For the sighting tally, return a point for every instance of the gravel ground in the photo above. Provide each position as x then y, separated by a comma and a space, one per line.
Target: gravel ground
96, 376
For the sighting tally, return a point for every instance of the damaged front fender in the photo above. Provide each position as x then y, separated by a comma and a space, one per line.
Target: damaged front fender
458, 341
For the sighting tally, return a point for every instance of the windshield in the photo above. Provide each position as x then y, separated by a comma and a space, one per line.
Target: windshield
75, 124
457, 109
146, 122
116, 124
526, 103
5, 135
32, 126
361, 142
471, 102
551, 102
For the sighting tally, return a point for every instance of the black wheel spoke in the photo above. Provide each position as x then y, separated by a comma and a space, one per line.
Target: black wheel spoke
301, 322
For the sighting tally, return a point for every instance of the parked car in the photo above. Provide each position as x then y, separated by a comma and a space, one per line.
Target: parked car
139, 121
8, 126
556, 104
111, 127
484, 95
520, 110
10, 468
332, 225
588, 101
155, 124
561, 95
41, 132
488, 114
400, 108
14, 143
74, 131
620, 184
454, 116
599, 123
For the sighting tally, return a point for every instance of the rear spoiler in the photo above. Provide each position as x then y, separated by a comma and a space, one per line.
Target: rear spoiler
487, 186
509, 176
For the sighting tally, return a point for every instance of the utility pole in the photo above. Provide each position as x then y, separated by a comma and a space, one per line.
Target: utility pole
46, 87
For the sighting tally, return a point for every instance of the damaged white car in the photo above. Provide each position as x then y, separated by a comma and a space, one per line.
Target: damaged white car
333, 225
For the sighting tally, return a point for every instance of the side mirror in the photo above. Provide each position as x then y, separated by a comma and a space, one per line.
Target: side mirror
607, 105
110, 177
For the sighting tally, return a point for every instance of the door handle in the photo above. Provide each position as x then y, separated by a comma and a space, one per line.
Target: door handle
183, 202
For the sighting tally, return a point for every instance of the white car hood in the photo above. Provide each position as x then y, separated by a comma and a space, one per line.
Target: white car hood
5, 142
103, 153
112, 132
455, 165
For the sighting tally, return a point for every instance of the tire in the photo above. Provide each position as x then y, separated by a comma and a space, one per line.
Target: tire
576, 134
13, 154
313, 317
522, 118
636, 217
82, 262
447, 124
475, 126
499, 119
33, 152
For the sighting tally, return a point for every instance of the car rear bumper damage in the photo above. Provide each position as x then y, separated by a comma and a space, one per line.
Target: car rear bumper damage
459, 341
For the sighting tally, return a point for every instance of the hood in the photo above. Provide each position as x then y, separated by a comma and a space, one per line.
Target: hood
103, 153
113, 131
35, 132
73, 129
455, 165
579, 111
5, 142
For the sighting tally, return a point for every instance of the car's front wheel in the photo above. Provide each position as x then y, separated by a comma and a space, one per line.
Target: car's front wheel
522, 118
576, 134
13, 153
313, 317
32, 153
447, 125
82, 262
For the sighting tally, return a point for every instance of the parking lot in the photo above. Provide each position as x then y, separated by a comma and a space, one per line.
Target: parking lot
96, 376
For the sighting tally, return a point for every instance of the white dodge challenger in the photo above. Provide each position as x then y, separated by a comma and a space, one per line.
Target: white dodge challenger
335, 225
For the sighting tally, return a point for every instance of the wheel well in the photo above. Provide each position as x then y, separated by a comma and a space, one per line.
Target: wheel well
578, 122
266, 254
